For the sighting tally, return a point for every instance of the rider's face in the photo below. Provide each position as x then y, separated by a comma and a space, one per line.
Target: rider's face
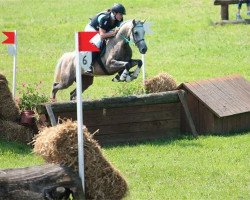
118, 16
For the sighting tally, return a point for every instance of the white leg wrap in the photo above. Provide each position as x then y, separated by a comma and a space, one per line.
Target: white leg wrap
124, 75
136, 73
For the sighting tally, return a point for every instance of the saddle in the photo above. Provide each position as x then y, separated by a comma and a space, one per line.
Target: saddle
97, 55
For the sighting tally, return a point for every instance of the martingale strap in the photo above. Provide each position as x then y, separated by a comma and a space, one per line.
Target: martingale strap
127, 40
99, 60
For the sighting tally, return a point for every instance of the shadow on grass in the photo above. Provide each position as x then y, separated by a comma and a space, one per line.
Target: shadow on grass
185, 140
159, 142
15, 147
232, 134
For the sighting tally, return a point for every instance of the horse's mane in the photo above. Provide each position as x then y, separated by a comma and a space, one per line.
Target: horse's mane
124, 26
124, 22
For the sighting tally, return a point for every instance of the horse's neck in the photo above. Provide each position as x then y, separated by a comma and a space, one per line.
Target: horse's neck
125, 30
122, 35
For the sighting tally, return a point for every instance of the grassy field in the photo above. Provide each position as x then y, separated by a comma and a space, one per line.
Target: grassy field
211, 167
186, 45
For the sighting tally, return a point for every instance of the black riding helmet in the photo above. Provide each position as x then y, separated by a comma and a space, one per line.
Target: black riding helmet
118, 8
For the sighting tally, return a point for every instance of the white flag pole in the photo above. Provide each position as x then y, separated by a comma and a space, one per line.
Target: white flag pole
143, 69
147, 28
14, 66
79, 115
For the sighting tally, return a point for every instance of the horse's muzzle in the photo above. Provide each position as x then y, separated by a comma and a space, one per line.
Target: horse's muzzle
143, 50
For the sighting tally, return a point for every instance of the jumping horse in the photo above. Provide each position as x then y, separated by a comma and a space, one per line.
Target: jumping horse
116, 59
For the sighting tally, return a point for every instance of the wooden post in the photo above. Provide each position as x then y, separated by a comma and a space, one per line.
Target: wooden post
224, 12
51, 115
183, 100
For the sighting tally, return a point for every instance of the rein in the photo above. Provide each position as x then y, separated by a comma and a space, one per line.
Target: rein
127, 39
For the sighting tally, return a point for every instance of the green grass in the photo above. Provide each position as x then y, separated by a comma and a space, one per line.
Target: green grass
14, 155
210, 167
186, 45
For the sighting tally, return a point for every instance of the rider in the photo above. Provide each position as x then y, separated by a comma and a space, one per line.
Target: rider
106, 24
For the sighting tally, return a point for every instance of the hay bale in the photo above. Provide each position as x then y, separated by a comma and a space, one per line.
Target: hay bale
160, 83
12, 131
59, 145
9, 110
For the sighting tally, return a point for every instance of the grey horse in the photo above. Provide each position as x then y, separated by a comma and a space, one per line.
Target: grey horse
116, 59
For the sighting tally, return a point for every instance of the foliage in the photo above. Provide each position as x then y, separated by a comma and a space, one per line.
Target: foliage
30, 96
126, 89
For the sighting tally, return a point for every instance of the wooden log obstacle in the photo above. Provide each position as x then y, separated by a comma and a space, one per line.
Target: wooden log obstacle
126, 119
225, 11
48, 181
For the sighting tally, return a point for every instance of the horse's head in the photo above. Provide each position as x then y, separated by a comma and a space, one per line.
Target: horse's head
137, 35
134, 31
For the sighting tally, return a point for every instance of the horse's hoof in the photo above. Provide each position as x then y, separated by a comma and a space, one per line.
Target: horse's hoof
116, 78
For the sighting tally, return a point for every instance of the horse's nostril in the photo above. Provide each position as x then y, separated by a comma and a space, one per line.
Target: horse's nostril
144, 50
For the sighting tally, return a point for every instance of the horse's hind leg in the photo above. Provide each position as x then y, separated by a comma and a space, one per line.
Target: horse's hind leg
54, 91
86, 82
60, 86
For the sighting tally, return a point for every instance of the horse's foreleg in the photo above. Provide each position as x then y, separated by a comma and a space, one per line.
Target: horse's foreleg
127, 76
86, 82
121, 65
135, 73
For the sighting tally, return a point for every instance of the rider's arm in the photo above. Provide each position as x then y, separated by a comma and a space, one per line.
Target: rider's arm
105, 35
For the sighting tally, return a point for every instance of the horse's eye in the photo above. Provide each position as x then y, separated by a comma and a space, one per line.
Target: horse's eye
135, 32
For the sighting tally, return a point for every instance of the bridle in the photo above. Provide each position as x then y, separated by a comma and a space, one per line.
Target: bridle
127, 39
136, 42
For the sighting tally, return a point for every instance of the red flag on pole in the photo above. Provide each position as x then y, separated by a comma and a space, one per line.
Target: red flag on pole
10, 38
84, 41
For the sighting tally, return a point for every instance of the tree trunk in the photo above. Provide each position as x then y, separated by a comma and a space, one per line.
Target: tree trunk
48, 181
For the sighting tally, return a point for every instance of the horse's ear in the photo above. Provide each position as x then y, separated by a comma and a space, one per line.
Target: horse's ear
144, 21
134, 22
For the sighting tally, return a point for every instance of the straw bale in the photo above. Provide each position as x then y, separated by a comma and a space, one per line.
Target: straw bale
12, 131
160, 83
9, 110
59, 145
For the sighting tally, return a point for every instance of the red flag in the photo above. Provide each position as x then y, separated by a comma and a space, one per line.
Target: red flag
84, 41
10, 38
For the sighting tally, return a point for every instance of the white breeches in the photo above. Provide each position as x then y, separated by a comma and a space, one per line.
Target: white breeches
96, 40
